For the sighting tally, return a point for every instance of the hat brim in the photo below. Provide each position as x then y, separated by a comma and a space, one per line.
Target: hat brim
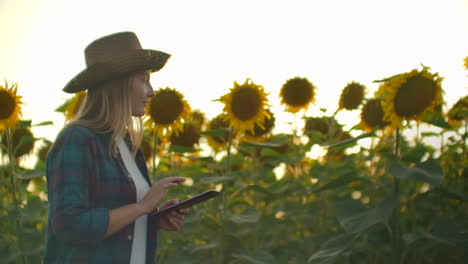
140, 60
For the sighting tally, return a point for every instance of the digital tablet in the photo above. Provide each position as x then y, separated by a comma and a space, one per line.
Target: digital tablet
188, 203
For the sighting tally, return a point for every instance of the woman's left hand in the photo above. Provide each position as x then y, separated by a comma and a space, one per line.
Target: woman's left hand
174, 220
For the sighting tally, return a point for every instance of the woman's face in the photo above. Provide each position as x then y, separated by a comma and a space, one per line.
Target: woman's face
141, 92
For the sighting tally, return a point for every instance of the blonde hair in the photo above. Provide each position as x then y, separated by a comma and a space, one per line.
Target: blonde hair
107, 109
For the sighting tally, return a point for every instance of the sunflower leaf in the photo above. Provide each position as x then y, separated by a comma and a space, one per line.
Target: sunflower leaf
332, 248
24, 123
428, 171
352, 140
45, 123
387, 79
63, 107
181, 149
355, 217
261, 144
436, 119
250, 216
206, 159
343, 180
216, 132
30, 174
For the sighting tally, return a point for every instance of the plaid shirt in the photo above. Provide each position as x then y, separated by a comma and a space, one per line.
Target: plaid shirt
84, 183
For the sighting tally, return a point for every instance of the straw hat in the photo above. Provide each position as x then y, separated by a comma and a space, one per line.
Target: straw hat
113, 56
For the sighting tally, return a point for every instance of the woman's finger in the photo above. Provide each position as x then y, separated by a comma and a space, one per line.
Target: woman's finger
175, 223
173, 179
177, 216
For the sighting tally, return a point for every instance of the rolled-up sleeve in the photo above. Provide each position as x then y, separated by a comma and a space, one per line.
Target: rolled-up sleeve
70, 181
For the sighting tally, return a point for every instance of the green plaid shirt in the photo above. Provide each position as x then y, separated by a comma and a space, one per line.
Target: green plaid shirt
84, 182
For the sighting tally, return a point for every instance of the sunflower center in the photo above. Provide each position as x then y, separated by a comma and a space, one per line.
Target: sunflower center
8, 105
188, 137
166, 107
297, 93
414, 96
373, 115
245, 103
352, 96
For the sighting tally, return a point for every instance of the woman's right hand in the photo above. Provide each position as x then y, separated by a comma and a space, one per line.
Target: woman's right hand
154, 196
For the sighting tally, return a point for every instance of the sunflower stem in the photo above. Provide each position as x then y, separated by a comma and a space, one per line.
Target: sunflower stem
11, 164
223, 197
464, 140
155, 153
396, 235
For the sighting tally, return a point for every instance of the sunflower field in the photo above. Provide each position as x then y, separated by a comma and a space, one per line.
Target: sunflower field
395, 199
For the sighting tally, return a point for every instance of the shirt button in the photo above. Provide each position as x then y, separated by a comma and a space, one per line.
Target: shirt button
129, 237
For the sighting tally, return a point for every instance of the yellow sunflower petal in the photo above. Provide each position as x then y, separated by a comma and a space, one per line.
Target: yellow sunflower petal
10, 112
245, 106
166, 111
406, 96
297, 93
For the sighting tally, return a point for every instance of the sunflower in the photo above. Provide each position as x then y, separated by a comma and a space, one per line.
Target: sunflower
218, 143
198, 118
166, 110
406, 96
316, 124
466, 63
43, 150
22, 141
189, 136
459, 112
10, 112
321, 129
372, 115
259, 133
245, 106
297, 93
352, 96
74, 104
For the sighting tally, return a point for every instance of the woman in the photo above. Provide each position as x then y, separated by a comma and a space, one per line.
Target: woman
99, 191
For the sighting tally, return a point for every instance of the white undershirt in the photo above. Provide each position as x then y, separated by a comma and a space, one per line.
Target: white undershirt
138, 255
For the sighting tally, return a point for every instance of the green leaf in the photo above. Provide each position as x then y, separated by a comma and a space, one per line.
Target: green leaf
430, 134
24, 123
216, 132
30, 174
415, 154
205, 159
428, 171
354, 217
213, 245
250, 216
62, 108
342, 180
215, 179
436, 119
387, 79
268, 152
181, 149
352, 140
256, 257
450, 194
26, 140
261, 144
332, 249
45, 123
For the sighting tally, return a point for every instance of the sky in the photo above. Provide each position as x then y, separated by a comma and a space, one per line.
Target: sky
214, 43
